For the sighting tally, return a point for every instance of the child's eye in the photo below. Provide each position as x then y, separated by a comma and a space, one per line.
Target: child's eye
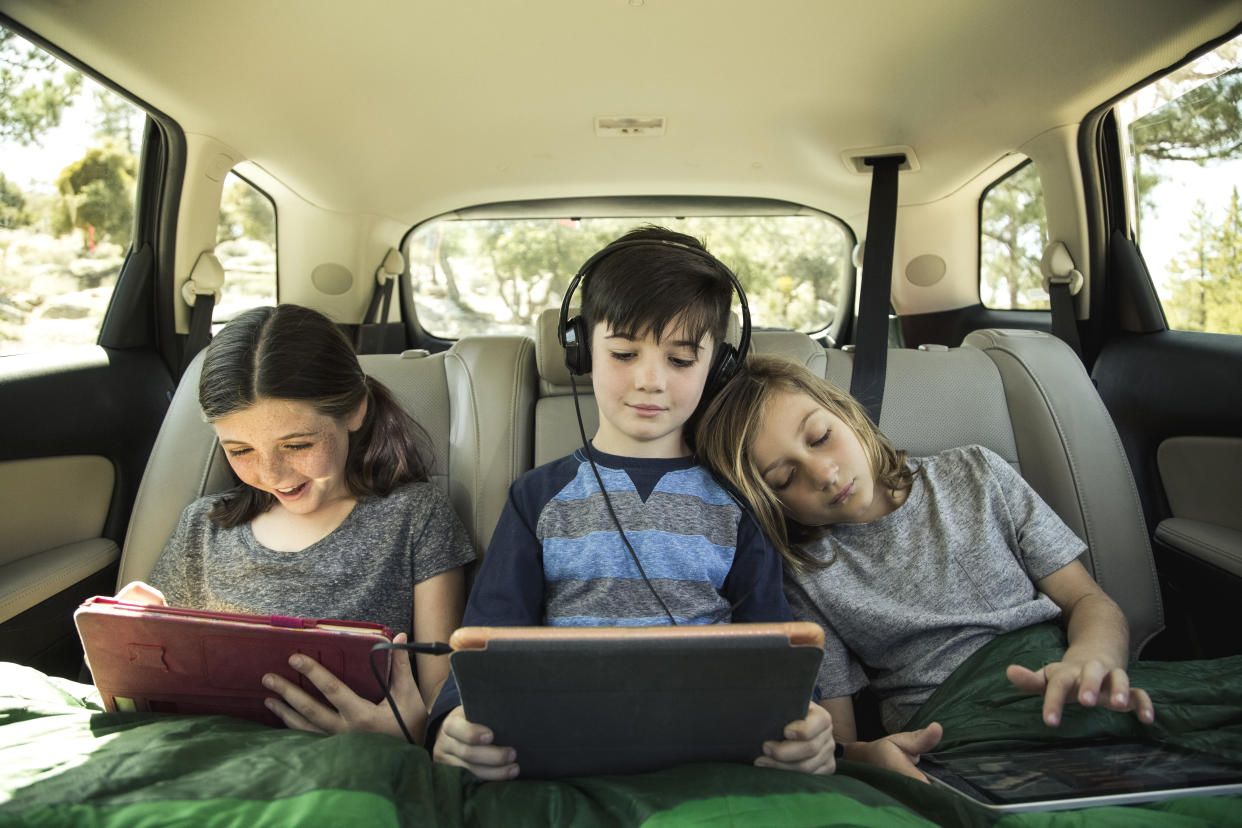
298, 446
622, 356
785, 484
823, 439
682, 362
238, 452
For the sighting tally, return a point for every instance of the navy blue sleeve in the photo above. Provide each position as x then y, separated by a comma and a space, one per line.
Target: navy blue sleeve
508, 589
754, 585
759, 582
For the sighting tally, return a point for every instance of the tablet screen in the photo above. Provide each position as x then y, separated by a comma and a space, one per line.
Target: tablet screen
1082, 770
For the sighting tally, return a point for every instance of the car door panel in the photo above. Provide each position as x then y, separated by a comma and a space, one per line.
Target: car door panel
1199, 475
78, 426
1175, 397
48, 547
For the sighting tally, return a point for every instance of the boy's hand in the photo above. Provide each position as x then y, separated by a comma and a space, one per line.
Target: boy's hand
138, 592
348, 711
1088, 682
898, 752
468, 745
808, 745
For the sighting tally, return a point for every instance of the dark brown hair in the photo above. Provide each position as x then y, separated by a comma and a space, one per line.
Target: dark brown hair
294, 353
641, 289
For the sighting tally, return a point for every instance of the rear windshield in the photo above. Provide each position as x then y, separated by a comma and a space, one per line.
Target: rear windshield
473, 276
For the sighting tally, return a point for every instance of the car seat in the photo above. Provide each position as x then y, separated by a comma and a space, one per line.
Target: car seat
475, 401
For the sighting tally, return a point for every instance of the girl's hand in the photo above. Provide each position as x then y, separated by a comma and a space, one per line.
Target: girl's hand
348, 711
468, 745
808, 745
1089, 682
137, 592
898, 752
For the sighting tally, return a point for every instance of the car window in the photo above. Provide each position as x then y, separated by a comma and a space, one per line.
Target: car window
246, 248
496, 275
68, 163
1013, 232
1184, 135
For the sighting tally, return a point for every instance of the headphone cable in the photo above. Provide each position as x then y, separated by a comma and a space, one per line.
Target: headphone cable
608, 502
432, 648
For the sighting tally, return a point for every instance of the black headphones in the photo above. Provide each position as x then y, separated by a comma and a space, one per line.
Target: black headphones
576, 339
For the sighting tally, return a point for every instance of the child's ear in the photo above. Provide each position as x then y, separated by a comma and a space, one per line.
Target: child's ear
354, 420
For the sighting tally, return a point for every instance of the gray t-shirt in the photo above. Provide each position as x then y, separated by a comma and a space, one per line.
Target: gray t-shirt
364, 570
913, 594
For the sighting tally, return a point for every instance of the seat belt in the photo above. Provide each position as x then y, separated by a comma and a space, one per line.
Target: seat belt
201, 292
371, 331
1063, 281
871, 337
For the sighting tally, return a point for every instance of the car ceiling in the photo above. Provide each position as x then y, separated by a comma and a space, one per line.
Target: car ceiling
408, 109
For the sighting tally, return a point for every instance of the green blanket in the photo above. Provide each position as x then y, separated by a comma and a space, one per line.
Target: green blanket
65, 762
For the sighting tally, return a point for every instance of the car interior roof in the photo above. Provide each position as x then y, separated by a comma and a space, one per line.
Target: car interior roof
408, 110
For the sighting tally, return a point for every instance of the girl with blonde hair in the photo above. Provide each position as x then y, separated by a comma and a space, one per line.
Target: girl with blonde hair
910, 565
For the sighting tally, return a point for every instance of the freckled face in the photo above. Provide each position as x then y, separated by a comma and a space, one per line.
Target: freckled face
287, 448
646, 390
815, 464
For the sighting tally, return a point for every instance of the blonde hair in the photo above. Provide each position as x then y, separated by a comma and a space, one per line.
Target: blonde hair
727, 432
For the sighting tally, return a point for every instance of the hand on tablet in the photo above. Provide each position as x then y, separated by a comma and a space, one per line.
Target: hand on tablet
898, 752
1090, 683
808, 745
137, 592
468, 745
348, 711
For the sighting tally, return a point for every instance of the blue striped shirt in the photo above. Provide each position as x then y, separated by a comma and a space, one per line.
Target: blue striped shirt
556, 557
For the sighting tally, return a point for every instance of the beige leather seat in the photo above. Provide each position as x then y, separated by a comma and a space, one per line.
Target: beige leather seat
556, 431
496, 406
475, 401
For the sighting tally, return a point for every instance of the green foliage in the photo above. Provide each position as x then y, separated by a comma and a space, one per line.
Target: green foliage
1201, 125
13, 212
245, 213
1015, 233
790, 266
114, 120
35, 88
98, 191
1206, 293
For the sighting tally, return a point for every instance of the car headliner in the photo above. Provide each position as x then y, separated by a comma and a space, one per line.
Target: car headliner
405, 110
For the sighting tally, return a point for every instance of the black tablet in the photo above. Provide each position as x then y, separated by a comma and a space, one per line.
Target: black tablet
589, 700
1081, 774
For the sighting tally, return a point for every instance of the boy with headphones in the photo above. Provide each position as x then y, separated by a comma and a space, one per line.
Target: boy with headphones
630, 530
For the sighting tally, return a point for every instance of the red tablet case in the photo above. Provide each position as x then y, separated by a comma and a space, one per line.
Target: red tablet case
174, 660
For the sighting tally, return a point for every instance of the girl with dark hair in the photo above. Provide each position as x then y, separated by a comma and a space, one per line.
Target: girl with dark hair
334, 516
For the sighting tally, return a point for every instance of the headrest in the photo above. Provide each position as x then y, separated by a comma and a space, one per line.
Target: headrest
796, 345
549, 355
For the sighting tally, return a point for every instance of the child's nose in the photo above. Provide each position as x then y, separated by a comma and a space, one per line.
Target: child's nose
650, 375
824, 472
271, 469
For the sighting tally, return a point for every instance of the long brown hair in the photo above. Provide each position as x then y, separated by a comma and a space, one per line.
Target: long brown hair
294, 353
727, 433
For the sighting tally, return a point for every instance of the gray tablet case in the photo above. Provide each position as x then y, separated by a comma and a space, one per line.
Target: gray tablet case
624, 704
